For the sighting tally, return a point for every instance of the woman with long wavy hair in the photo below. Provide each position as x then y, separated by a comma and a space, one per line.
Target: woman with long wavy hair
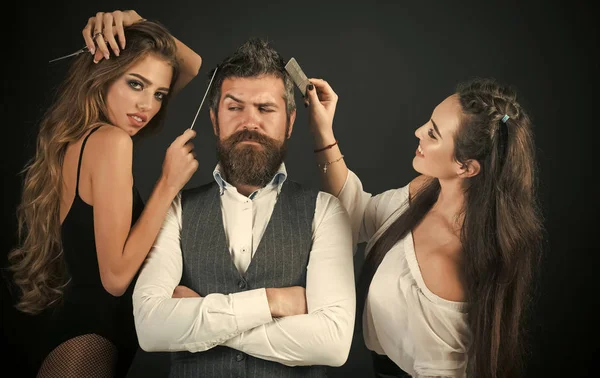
84, 230
447, 278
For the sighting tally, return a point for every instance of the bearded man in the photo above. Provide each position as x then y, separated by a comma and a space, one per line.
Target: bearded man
252, 274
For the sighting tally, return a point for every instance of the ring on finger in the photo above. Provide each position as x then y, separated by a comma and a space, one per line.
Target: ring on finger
97, 34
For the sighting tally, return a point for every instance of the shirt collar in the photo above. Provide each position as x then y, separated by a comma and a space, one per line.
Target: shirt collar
277, 180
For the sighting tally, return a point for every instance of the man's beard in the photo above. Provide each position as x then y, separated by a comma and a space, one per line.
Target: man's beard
247, 164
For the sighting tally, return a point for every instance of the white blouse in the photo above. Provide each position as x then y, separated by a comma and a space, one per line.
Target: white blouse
424, 334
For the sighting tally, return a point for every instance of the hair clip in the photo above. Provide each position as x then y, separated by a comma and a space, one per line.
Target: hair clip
505, 118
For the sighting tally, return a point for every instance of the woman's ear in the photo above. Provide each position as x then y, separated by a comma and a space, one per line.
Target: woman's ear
468, 169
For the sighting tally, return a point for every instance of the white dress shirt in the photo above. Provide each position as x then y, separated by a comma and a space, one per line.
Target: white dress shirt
243, 320
424, 334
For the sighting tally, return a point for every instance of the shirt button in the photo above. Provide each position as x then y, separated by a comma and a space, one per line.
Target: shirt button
239, 357
242, 284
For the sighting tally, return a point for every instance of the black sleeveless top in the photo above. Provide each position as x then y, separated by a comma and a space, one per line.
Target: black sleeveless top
87, 307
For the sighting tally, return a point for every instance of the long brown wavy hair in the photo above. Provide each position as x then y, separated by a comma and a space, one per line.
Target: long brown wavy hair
502, 233
37, 264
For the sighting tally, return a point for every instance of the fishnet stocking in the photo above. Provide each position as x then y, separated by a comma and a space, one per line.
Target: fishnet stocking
86, 356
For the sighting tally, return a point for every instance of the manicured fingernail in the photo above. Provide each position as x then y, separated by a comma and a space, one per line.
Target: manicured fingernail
310, 87
92, 51
95, 61
106, 56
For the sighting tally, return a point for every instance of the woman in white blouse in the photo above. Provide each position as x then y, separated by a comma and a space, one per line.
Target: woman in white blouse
450, 256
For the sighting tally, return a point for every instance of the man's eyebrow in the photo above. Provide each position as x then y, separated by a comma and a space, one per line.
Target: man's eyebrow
268, 103
233, 98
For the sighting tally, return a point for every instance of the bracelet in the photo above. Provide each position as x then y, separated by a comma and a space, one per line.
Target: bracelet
326, 147
326, 164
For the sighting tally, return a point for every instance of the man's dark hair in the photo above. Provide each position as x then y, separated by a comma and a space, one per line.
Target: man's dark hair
252, 59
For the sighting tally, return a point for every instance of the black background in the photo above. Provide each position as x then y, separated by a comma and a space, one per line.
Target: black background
390, 64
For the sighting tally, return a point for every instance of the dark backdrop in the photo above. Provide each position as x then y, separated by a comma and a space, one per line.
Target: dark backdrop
390, 64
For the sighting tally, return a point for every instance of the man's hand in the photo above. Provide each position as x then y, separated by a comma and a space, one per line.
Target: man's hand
287, 301
184, 292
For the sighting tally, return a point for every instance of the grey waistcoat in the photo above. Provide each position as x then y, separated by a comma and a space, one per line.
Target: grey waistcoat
279, 261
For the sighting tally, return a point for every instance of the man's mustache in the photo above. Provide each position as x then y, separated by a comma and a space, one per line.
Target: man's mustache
246, 135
